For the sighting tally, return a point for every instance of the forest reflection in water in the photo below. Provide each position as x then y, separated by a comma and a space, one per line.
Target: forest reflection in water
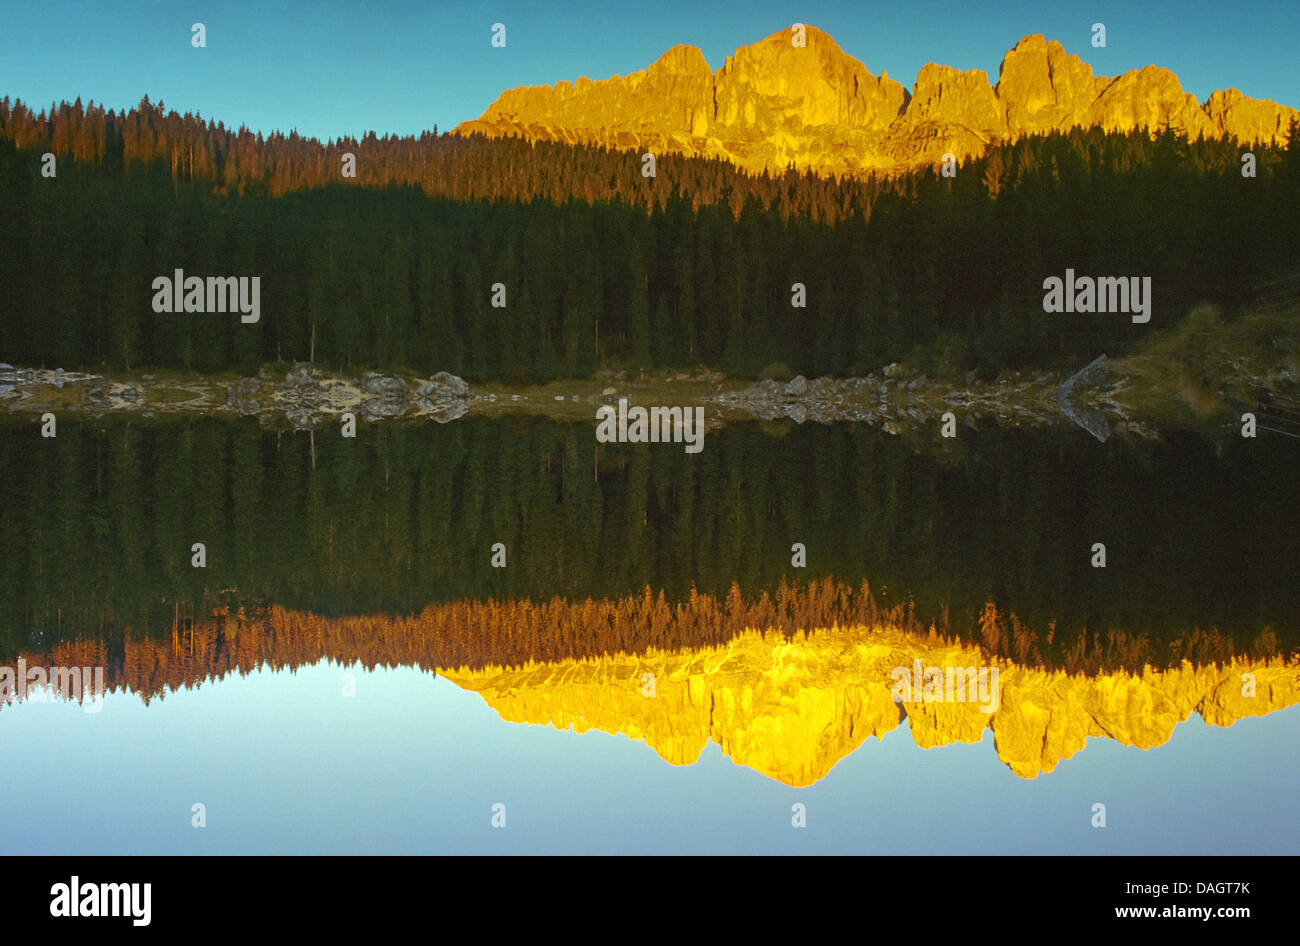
627, 563
1200, 538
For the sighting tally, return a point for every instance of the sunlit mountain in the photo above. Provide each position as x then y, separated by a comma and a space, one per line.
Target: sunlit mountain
797, 98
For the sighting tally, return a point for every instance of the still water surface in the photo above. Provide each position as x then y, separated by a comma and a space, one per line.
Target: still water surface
301, 729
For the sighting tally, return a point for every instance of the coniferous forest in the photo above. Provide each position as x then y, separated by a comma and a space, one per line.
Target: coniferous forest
602, 267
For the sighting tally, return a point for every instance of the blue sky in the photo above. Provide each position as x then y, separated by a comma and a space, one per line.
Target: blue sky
412, 764
332, 68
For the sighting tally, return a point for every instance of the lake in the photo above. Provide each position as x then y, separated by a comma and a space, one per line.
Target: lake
631, 648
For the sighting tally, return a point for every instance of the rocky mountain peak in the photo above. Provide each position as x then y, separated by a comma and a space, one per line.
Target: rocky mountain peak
779, 102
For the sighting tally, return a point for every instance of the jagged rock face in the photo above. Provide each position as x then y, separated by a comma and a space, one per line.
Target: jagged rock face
1150, 98
1248, 119
792, 708
817, 84
951, 112
1044, 88
776, 103
773, 104
673, 98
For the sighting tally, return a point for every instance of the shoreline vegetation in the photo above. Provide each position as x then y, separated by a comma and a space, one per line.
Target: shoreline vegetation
1201, 373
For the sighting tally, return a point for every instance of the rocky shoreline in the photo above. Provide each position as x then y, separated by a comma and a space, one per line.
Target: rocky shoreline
307, 397
895, 402
898, 402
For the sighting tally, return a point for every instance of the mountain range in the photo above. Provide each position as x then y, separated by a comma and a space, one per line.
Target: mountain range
792, 708
776, 103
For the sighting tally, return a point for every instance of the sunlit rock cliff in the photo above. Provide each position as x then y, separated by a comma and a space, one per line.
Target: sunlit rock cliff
791, 709
776, 103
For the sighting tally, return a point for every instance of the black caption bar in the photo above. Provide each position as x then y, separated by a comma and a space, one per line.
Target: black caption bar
148, 896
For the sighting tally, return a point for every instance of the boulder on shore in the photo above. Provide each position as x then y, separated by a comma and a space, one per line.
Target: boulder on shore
444, 385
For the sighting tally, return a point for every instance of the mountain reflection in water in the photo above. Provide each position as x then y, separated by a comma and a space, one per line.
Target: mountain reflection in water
789, 704
628, 565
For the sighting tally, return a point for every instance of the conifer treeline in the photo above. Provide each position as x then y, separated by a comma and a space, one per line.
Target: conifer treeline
237, 163
600, 265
